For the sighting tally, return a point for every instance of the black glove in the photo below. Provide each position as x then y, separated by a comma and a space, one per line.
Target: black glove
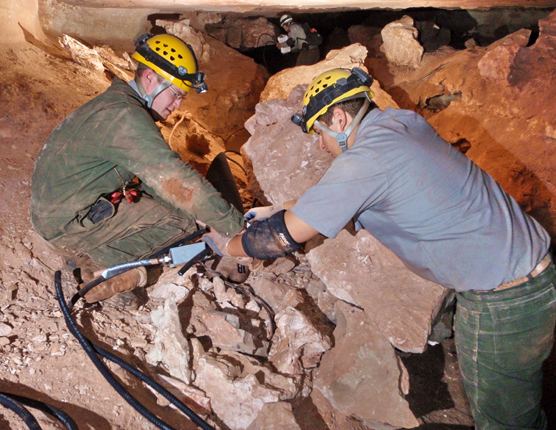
290, 42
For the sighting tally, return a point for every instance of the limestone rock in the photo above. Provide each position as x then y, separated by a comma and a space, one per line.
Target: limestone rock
193, 38
298, 342
400, 44
244, 33
171, 348
82, 54
271, 292
285, 160
369, 275
5, 329
172, 292
199, 20
225, 332
360, 376
275, 416
281, 84
188, 394
497, 62
228, 297
239, 386
108, 54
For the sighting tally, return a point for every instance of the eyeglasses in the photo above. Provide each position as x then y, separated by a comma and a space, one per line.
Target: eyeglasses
177, 95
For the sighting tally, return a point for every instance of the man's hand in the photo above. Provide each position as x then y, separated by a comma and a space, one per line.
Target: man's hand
257, 214
215, 240
219, 244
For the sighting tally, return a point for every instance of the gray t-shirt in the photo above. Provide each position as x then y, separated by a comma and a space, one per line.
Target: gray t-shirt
444, 217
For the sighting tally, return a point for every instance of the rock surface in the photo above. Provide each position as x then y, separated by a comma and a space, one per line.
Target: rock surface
361, 376
401, 304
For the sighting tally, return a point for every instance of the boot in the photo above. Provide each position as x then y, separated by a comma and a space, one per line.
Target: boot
87, 269
230, 269
128, 301
126, 281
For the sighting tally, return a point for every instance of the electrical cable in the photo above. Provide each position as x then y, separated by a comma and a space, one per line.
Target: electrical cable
235, 162
23, 413
250, 292
270, 42
46, 408
91, 350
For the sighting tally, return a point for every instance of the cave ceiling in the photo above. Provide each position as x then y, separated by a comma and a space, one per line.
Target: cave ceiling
272, 6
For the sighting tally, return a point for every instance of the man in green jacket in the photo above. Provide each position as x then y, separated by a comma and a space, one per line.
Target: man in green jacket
84, 198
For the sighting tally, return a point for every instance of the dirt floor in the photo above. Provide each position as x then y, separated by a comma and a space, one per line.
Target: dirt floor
40, 359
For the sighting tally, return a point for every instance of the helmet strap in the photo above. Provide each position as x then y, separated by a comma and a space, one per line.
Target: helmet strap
149, 98
342, 137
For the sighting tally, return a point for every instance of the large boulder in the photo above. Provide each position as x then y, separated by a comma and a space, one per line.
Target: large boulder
361, 376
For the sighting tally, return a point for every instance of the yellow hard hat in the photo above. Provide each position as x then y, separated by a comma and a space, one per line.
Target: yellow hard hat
171, 58
328, 88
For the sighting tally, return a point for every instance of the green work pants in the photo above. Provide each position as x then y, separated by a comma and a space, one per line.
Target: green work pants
502, 340
133, 231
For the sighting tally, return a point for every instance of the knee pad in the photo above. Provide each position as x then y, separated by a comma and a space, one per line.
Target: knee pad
269, 238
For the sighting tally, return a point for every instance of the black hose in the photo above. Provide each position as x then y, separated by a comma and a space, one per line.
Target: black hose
235, 162
46, 408
159, 388
205, 252
23, 413
91, 349
84, 291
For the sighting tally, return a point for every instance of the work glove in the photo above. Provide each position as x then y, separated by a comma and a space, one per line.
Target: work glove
260, 213
217, 242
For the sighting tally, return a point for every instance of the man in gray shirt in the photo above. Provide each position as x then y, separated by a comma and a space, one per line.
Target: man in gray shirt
446, 219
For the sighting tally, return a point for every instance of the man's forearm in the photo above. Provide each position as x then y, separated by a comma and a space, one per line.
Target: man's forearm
235, 248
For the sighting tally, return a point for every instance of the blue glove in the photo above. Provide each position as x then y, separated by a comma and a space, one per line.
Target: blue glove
263, 212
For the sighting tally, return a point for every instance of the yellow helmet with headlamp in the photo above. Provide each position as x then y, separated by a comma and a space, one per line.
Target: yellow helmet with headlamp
171, 58
329, 88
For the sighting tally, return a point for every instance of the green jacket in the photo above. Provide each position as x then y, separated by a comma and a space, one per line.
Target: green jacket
111, 139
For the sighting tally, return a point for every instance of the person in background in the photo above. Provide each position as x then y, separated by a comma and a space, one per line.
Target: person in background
446, 219
300, 40
106, 186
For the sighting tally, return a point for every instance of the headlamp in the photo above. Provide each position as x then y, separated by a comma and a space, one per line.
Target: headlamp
297, 119
363, 77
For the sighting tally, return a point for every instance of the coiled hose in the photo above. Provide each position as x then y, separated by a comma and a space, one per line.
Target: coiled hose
92, 350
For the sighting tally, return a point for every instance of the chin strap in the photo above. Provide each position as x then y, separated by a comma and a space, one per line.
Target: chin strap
149, 98
342, 138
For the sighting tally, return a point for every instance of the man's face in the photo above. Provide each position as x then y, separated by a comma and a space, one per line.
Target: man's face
168, 100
